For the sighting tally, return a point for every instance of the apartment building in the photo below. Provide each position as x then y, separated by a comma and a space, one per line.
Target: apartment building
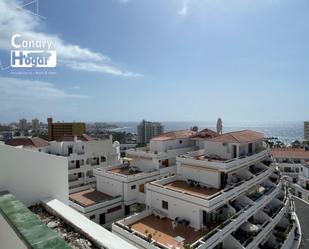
33, 205
290, 161
227, 194
306, 130
23, 125
147, 130
121, 189
60, 129
35, 124
293, 164
83, 154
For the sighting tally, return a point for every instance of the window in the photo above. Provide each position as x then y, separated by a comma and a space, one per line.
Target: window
142, 188
114, 209
165, 205
92, 217
103, 159
133, 187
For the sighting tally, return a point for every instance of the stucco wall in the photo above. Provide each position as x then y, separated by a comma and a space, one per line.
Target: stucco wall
32, 176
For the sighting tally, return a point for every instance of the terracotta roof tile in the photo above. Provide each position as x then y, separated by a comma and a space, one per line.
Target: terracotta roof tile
206, 133
290, 153
174, 135
27, 142
244, 136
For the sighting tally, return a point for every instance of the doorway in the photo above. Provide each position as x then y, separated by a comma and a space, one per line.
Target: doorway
234, 151
250, 149
70, 150
102, 219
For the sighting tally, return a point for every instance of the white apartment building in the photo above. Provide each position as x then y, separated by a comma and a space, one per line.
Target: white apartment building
293, 164
306, 130
290, 161
82, 153
301, 187
29, 178
120, 188
225, 195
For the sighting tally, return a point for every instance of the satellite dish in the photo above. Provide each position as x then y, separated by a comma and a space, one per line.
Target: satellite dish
219, 126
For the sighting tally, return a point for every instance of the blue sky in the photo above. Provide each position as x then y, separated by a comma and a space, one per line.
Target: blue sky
175, 60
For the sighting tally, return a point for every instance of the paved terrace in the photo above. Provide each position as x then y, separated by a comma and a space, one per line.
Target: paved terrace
89, 197
124, 171
161, 230
183, 186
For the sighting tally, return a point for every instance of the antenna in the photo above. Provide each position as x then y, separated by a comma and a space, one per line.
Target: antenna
219, 126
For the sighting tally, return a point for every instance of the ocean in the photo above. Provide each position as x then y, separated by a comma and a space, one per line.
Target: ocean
285, 131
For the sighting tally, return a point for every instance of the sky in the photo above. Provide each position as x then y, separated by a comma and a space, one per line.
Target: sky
161, 60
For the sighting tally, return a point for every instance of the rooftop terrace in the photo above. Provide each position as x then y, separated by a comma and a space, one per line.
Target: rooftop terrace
125, 170
161, 230
186, 187
89, 197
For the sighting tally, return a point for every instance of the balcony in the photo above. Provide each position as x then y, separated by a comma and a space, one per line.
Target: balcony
207, 196
246, 209
199, 158
124, 173
149, 231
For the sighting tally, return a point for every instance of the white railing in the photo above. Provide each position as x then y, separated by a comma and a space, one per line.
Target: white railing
215, 200
211, 239
227, 164
107, 172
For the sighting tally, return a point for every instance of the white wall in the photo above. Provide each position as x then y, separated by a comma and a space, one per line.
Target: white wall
8, 237
202, 175
109, 186
176, 208
217, 148
162, 146
32, 176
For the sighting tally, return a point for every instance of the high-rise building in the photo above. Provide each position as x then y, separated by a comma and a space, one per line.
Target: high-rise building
147, 130
58, 130
35, 124
23, 125
306, 130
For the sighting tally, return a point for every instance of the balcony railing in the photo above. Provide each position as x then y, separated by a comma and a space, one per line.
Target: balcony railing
227, 164
227, 227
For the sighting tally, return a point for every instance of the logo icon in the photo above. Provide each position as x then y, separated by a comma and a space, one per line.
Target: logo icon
32, 53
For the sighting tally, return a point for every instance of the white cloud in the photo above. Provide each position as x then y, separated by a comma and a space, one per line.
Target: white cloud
25, 90
94, 67
184, 9
123, 1
16, 20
